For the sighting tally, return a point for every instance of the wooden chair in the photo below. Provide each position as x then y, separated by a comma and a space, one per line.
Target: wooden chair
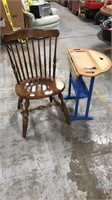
32, 53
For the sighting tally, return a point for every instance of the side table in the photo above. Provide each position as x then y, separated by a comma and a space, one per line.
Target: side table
84, 63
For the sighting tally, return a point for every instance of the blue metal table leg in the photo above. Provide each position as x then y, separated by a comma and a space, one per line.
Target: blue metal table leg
77, 96
69, 96
89, 97
69, 87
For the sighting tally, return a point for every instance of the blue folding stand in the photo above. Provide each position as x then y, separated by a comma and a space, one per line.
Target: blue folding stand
81, 91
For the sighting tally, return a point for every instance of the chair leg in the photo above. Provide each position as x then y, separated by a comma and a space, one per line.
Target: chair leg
63, 108
50, 98
25, 115
19, 103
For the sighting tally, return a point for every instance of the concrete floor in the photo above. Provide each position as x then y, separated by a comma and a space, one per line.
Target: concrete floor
58, 161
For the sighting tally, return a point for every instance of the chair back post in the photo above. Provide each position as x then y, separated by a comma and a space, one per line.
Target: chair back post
9, 50
54, 60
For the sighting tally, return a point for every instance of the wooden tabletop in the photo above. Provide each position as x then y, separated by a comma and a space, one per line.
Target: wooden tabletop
87, 62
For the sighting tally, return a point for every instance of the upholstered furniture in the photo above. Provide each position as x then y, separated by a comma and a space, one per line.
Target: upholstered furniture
50, 21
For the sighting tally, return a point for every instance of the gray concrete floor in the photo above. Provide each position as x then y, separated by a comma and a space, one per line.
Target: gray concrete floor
58, 161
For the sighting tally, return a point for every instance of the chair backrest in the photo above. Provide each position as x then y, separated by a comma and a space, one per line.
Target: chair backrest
32, 53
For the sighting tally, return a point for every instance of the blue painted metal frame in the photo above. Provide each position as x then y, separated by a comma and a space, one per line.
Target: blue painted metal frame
81, 91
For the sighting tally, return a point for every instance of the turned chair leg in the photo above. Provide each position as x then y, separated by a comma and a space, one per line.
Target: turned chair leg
19, 103
63, 108
51, 98
25, 115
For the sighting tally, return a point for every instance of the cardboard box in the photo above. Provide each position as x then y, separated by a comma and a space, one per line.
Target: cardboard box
15, 7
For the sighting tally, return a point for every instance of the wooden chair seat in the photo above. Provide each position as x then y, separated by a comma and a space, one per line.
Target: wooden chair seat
39, 88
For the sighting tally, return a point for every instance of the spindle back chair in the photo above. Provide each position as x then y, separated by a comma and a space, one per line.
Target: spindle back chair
32, 54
